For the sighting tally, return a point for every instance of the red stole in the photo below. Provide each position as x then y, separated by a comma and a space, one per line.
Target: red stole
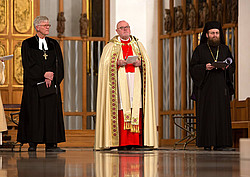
126, 136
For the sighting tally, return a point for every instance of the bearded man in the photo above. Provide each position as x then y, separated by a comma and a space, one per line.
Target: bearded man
125, 114
212, 89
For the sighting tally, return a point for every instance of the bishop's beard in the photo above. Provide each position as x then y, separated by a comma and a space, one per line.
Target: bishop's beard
214, 41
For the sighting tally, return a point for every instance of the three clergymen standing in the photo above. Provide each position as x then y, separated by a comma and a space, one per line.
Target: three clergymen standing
125, 115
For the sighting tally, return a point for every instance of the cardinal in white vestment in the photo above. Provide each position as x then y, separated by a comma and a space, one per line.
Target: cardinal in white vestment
125, 115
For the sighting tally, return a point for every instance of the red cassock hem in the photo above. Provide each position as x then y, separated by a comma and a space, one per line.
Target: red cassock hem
126, 136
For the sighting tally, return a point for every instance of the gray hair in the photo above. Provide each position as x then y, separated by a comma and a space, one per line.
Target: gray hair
40, 19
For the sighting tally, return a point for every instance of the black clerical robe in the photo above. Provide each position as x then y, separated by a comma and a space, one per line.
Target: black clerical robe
212, 96
41, 118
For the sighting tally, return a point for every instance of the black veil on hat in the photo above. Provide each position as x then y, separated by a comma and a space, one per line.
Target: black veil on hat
212, 25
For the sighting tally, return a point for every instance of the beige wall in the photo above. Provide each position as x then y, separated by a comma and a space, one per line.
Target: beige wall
142, 17
244, 49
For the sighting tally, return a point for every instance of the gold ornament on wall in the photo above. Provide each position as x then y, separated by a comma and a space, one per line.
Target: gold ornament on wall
22, 15
3, 13
2, 50
3, 53
18, 67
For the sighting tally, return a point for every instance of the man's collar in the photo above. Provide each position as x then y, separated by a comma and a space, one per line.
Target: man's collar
123, 40
116, 39
42, 42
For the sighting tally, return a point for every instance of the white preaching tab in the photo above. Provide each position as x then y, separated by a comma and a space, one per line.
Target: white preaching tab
43, 43
5, 58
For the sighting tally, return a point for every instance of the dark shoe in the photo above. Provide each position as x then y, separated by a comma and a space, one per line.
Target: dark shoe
32, 147
133, 149
224, 149
217, 148
207, 148
122, 148
228, 149
144, 148
54, 149
130, 148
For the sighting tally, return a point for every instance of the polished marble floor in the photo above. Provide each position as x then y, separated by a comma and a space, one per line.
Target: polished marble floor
158, 163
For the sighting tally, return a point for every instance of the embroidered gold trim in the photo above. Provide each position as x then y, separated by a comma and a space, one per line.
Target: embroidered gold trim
113, 94
135, 129
135, 121
3, 15
127, 126
127, 117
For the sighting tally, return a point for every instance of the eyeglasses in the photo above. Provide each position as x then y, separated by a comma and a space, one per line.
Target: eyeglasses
124, 27
213, 33
47, 25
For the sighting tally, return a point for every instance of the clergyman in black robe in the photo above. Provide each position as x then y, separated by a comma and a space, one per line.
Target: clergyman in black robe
41, 117
212, 89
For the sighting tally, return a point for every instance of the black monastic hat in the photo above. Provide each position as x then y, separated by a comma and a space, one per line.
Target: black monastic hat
212, 25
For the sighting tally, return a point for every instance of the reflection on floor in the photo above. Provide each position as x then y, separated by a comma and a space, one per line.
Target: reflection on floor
86, 162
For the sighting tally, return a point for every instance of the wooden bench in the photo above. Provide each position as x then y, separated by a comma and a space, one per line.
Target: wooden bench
241, 125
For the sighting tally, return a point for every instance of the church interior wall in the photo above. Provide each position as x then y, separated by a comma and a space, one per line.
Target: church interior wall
142, 18
244, 52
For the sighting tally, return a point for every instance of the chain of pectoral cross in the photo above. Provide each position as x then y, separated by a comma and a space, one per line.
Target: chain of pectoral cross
126, 55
